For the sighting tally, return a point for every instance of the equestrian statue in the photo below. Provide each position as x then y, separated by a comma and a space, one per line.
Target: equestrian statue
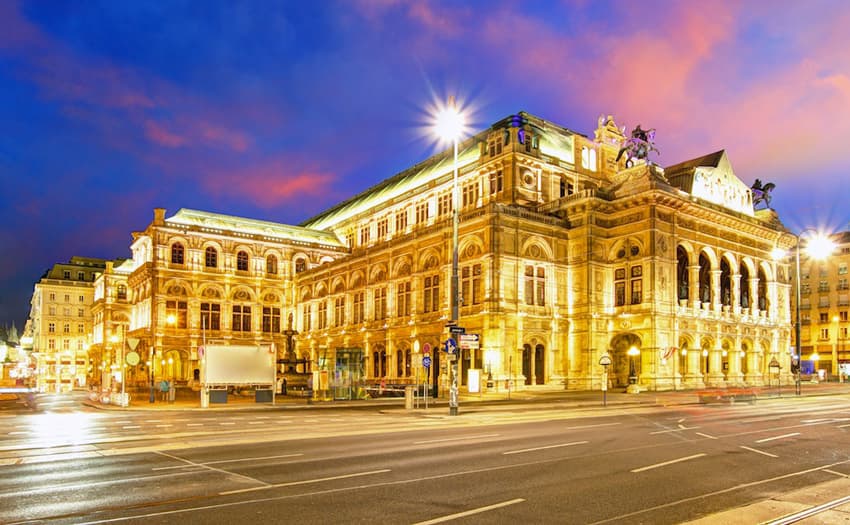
638, 146
761, 193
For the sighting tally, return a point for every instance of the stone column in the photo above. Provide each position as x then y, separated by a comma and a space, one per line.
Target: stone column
693, 290
715, 368
715, 291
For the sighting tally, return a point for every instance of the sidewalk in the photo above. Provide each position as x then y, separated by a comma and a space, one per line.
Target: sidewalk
544, 396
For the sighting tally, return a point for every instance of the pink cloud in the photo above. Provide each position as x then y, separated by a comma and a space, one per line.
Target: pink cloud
270, 183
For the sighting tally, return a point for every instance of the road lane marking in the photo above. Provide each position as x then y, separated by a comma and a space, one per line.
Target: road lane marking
131, 426
843, 426
839, 474
705, 435
153, 421
759, 452
672, 461
471, 512
306, 481
681, 428
222, 471
591, 426
783, 436
799, 516
479, 436
622, 518
17, 432
256, 422
559, 445
164, 426
230, 461
226, 423
194, 424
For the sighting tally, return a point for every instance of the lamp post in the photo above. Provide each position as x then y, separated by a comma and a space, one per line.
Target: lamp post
633, 351
448, 125
114, 339
818, 247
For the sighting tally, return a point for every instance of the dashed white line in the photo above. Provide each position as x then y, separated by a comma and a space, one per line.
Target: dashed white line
664, 464
559, 445
681, 428
127, 427
305, 482
591, 426
226, 423
454, 439
452, 517
164, 426
759, 452
256, 422
783, 436
705, 435
194, 424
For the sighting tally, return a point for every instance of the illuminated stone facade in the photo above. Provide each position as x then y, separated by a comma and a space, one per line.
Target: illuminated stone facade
199, 276
565, 255
824, 306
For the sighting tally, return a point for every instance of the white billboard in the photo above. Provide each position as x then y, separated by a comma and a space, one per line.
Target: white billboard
238, 365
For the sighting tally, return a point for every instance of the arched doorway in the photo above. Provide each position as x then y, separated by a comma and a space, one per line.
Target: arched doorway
175, 365
622, 363
533, 364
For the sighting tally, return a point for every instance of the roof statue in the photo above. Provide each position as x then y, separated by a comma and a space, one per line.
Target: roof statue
638, 146
761, 193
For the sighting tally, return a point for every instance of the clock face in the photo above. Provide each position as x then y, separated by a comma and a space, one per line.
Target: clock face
132, 358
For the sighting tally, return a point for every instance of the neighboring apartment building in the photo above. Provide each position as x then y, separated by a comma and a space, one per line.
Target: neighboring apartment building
565, 254
824, 307
61, 323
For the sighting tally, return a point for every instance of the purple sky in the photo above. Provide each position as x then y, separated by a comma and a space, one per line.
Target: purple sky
278, 110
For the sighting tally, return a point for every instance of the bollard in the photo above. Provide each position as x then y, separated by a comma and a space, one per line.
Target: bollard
408, 397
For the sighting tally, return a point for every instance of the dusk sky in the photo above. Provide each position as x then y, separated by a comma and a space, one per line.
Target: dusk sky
278, 110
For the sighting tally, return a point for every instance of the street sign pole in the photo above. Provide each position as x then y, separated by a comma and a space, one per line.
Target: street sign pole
605, 361
451, 350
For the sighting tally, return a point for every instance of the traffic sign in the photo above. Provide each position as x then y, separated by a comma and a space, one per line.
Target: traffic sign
450, 347
469, 341
426, 361
427, 348
457, 329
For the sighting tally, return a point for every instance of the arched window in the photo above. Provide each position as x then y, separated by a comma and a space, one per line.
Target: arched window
271, 265
300, 265
242, 261
682, 275
122, 291
177, 253
211, 258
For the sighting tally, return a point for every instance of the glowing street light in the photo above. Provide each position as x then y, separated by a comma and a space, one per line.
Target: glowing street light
448, 125
819, 246
633, 351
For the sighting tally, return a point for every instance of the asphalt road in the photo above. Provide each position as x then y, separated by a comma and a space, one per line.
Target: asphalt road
537, 463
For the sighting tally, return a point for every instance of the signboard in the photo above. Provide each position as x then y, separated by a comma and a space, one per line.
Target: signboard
238, 365
132, 358
426, 361
457, 329
450, 347
427, 348
469, 341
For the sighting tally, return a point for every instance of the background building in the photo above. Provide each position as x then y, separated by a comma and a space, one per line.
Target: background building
61, 323
824, 306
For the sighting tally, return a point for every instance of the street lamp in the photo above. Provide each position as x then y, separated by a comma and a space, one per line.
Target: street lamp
114, 339
818, 247
448, 125
633, 351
